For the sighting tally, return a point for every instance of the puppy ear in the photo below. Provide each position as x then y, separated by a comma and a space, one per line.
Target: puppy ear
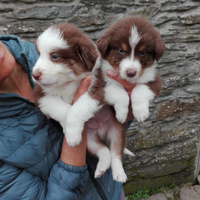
88, 55
160, 49
102, 45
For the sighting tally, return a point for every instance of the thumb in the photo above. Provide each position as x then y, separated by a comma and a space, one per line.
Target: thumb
82, 88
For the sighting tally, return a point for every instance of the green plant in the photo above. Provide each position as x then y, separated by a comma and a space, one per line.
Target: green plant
139, 194
146, 193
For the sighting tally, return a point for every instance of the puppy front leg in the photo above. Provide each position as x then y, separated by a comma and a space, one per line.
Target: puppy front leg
82, 110
117, 96
55, 108
140, 97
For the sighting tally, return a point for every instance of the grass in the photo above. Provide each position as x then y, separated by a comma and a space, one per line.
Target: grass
146, 193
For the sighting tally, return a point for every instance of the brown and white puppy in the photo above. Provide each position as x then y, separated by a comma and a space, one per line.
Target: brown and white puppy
129, 47
66, 56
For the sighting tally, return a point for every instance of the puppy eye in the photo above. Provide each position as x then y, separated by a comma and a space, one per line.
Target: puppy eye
121, 51
54, 56
142, 53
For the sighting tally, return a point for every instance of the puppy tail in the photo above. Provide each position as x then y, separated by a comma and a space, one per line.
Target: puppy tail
129, 153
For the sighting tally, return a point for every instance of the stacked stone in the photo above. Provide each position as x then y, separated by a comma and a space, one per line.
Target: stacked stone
165, 145
184, 192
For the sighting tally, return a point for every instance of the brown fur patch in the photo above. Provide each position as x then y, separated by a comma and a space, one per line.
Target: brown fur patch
124, 47
80, 45
38, 93
155, 86
96, 91
120, 133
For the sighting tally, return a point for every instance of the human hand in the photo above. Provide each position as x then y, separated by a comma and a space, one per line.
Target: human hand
128, 87
82, 88
76, 156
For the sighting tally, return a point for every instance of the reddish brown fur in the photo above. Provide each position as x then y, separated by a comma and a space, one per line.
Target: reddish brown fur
96, 91
38, 93
82, 49
117, 36
155, 86
81, 54
120, 133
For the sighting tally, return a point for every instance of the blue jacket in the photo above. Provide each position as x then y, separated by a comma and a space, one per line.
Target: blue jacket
30, 146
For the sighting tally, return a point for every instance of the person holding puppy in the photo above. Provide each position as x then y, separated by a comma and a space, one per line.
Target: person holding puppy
35, 160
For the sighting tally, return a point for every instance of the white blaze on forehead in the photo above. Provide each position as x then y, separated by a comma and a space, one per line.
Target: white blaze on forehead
129, 63
134, 39
51, 39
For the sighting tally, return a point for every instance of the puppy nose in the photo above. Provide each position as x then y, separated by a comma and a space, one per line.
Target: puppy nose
130, 74
36, 75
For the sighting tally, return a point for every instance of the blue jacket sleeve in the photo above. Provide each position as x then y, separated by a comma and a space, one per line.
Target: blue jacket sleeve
65, 182
59, 180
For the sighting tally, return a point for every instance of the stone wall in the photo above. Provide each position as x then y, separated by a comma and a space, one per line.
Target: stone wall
165, 145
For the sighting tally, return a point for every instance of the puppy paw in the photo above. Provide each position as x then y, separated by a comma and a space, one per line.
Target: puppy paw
73, 135
141, 113
73, 141
121, 114
101, 168
119, 176
118, 171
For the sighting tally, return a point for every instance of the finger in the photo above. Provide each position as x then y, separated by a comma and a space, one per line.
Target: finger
115, 76
82, 88
128, 86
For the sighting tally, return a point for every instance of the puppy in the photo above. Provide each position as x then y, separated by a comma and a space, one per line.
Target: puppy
129, 47
66, 56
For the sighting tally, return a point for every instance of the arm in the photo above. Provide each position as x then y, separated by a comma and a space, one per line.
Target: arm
16, 183
79, 151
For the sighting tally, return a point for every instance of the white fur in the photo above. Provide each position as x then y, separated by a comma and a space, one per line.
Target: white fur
113, 88
54, 107
128, 152
148, 75
141, 96
52, 37
74, 129
134, 39
117, 169
104, 161
130, 63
